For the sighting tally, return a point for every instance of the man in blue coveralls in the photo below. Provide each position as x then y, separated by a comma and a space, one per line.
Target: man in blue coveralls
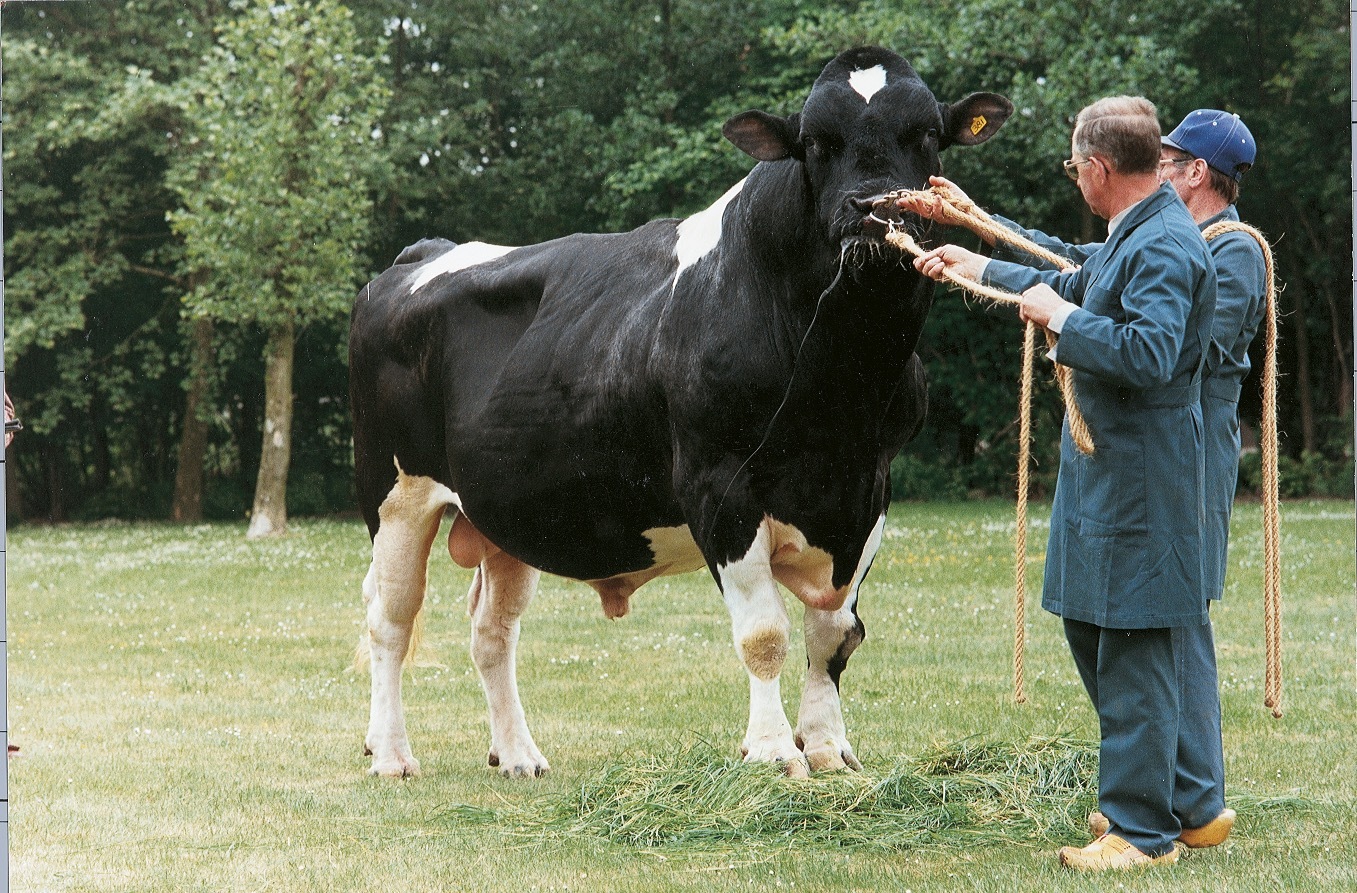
1204, 158
1126, 563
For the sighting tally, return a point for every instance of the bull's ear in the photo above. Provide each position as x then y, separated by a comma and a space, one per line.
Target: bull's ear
764, 136
974, 119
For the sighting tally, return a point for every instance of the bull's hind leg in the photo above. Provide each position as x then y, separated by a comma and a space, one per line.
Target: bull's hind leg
762, 633
831, 637
500, 593
394, 593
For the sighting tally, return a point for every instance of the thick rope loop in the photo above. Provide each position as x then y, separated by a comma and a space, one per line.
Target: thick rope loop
1272, 516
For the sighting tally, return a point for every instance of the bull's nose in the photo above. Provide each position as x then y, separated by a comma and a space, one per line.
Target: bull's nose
864, 205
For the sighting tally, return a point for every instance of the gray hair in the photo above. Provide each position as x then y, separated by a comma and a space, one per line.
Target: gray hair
1122, 129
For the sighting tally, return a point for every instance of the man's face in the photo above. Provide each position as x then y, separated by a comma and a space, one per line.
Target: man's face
1178, 168
1089, 180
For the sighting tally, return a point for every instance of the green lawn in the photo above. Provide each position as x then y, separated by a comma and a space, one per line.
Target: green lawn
189, 721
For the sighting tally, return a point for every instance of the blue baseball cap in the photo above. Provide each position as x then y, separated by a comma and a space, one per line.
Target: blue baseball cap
1218, 138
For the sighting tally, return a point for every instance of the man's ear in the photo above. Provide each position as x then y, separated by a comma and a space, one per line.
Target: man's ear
974, 119
764, 136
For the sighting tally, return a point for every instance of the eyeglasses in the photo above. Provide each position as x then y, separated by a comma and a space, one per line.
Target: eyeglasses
1178, 161
1072, 168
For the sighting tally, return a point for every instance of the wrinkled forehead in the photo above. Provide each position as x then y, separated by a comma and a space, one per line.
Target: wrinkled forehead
882, 91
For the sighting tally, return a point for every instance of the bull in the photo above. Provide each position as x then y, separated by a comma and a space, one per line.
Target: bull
724, 391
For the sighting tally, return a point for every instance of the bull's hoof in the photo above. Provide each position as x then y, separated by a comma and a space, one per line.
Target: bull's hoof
526, 765
832, 758
396, 766
779, 750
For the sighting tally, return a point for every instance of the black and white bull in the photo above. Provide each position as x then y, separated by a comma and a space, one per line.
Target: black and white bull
723, 391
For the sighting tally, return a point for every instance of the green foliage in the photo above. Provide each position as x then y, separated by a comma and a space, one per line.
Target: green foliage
519, 121
281, 151
951, 796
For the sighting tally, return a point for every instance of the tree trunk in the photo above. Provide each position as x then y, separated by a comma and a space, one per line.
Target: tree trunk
269, 517
1342, 363
188, 476
53, 464
101, 459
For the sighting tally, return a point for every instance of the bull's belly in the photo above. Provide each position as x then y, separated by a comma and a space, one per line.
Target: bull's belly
584, 527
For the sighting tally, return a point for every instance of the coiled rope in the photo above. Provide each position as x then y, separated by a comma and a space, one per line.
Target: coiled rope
971, 216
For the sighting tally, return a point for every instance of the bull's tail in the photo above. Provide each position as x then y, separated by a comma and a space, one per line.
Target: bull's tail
362, 655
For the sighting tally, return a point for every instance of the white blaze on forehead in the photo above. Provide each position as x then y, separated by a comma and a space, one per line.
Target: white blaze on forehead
459, 258
701, 232
868, 81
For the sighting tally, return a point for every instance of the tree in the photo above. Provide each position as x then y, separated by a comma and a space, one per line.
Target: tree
276, 177
91, 327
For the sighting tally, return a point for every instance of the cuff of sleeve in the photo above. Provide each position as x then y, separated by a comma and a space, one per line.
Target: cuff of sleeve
1061, 314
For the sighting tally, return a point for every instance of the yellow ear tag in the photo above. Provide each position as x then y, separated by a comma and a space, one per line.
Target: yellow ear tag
978, 124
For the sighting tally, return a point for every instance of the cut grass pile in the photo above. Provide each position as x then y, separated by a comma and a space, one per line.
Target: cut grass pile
952, 795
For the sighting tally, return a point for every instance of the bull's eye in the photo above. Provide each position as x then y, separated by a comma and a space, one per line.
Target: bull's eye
811, 144
932, 133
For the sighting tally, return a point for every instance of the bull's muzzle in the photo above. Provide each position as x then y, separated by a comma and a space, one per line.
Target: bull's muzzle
881, 214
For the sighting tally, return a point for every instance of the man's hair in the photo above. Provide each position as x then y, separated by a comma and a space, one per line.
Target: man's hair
1122, 129
1226, 187
1223, 185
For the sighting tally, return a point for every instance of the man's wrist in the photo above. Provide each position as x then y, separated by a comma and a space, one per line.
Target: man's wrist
1059, 315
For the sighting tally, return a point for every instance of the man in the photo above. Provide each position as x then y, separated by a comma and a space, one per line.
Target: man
1204, 158
1125, 561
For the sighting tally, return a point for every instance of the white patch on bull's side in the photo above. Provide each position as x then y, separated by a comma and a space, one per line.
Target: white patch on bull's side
701, 232
674, 549
459, 258
867, 82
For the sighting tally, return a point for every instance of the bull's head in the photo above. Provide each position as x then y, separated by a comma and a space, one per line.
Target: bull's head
869, 126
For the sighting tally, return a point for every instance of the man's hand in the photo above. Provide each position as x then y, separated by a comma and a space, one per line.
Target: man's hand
932, 208
939, 262
1039, 304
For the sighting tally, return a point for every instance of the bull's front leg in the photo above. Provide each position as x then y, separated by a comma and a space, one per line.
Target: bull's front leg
831, 637
762, 634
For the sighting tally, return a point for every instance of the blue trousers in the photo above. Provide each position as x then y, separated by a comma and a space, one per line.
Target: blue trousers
1199, 784
1160, 765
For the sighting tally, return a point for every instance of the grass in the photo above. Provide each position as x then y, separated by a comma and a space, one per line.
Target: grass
188, 721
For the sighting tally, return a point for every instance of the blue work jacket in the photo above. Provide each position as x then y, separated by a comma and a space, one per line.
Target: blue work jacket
1127, 543
1241, 285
